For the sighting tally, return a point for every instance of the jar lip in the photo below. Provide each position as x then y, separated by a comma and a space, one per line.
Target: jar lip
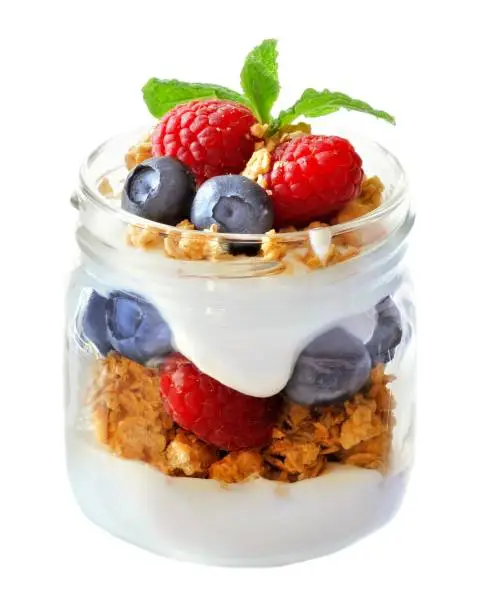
89, 190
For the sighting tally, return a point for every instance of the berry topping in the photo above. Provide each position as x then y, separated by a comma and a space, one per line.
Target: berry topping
313, 177
215, 131
235, 204
387, 334
94, 322
136, 328
159, 189
217, 414
331, 368
211, 137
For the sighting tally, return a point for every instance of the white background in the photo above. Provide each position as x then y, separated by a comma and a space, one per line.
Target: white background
71, 74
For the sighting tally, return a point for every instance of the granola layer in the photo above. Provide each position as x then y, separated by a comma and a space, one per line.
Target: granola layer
131, 422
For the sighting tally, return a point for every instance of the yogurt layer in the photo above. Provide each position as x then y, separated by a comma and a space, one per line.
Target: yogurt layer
198, 520
236, 322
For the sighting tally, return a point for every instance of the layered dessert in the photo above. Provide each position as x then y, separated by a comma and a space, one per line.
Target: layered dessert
240, 343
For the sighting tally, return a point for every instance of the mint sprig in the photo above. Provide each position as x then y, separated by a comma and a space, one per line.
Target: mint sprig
162, 95
318, 103
260, 83
259, 79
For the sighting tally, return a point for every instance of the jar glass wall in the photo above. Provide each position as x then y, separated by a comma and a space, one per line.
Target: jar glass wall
303, 343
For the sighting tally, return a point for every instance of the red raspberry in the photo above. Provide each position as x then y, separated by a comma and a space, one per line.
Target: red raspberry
217, 414
313, 177
212, 137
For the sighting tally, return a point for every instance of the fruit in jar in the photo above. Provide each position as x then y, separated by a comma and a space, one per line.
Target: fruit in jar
215, 413
313, 177
234, 203
211, 137
136, 329
388, 332
93, 324
333, 367
159, 189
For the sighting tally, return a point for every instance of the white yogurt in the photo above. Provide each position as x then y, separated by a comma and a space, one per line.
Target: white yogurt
244, 331
198, 520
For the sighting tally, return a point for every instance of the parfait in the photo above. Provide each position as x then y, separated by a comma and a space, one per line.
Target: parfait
240, 331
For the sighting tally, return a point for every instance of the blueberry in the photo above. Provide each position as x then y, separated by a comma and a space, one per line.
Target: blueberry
387, 334
333, 367
159, 189
94, 322
136, 328
234, 203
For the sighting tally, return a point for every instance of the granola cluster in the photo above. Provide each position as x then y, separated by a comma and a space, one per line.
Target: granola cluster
260, 163
130, 420
180, 242
139, 153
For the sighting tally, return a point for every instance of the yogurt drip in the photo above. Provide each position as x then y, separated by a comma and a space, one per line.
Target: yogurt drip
245, 332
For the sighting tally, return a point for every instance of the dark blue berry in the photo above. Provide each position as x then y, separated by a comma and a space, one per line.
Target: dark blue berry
234, 203
333, 367
159, 189
387, 334
94, 322
136, 328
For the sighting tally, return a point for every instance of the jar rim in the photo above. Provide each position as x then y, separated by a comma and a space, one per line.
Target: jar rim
89, 190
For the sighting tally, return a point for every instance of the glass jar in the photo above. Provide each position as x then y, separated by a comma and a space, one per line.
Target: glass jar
321, 321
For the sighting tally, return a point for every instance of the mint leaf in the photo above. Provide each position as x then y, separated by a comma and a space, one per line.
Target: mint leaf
162, 95
259, 79
317, 103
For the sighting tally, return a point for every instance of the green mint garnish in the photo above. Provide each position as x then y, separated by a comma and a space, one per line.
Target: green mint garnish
260, 83
317, 103
162, 95
259, 79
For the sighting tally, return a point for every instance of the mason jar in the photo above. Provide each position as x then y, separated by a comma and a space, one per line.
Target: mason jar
312, 329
